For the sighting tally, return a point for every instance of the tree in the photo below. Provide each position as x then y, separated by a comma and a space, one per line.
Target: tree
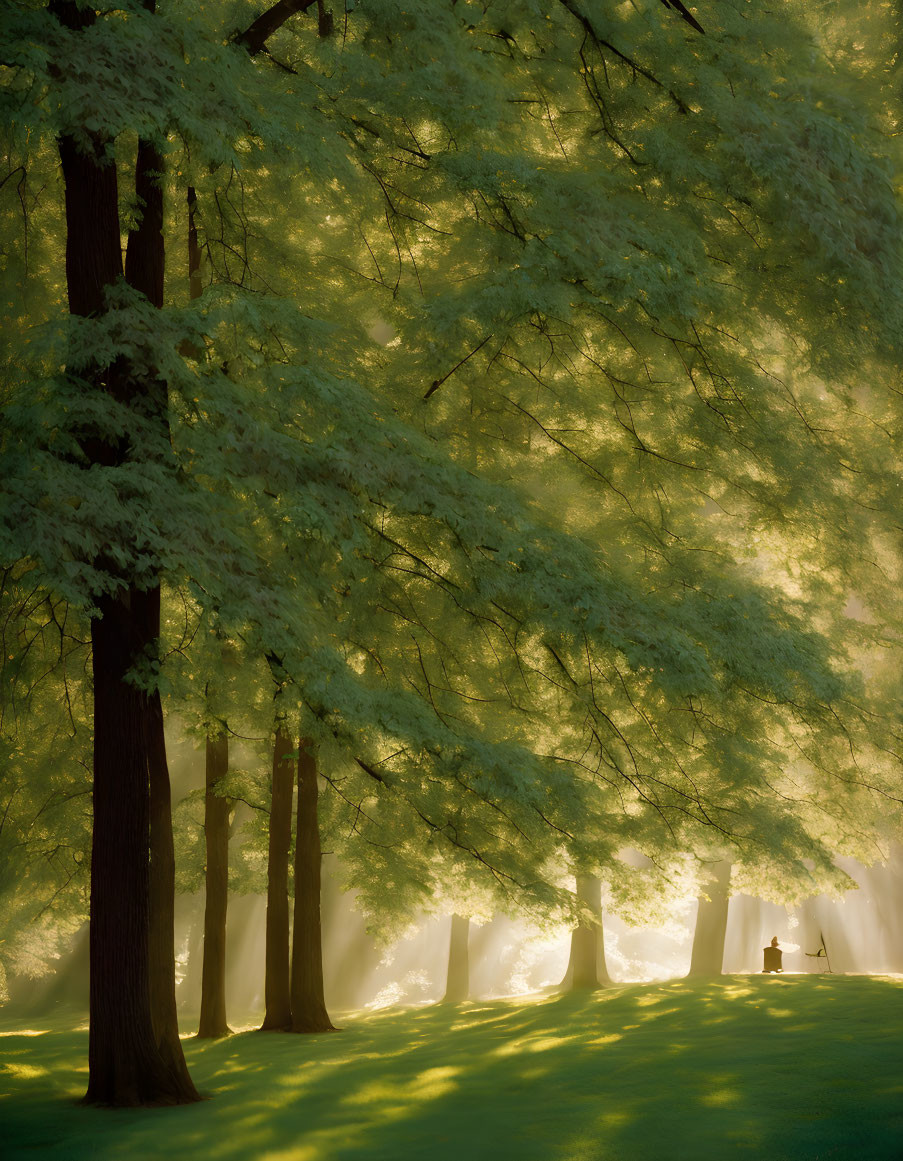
213, 1021
308, 1004
135, 1055
457, 984
278, 1015
586, 964
711, 922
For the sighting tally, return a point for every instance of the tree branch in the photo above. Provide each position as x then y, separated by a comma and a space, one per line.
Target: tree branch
688, 16
254, 37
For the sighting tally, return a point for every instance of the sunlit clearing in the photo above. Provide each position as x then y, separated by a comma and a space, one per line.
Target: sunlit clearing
24, 1071
531, 1079
428, 1085
720, 1097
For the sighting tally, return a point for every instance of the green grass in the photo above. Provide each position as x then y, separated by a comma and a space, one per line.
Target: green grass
802, 1068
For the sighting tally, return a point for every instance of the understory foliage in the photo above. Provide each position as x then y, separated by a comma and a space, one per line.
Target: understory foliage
45, 817
518, 437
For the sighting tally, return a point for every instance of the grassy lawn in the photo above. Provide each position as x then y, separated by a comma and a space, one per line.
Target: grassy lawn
802, 1068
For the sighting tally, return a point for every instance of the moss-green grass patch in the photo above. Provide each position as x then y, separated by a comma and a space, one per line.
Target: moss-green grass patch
802, 1068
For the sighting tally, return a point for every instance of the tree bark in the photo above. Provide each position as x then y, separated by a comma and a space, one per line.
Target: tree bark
195, 286
586, 965
145, 256
711, 923
124, 1063
216, 832
457, 985
277, 990
308, 1003
162, 886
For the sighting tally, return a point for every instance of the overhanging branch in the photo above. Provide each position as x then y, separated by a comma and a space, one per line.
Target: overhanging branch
254, 37
685, 15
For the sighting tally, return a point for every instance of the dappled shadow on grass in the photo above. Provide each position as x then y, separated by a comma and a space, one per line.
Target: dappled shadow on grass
801, 1067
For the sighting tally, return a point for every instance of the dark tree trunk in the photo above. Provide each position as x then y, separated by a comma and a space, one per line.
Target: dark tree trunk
195, 287
457, 986
161, 966
216, 831
308, 1004
145, 254
586, 966
161, 950
711, 923
93, 256
277, 992
144, 266
125, 1064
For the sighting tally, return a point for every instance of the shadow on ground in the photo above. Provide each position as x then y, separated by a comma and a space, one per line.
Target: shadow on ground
802, 1068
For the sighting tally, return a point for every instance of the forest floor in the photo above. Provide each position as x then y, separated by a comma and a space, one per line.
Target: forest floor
783, 1068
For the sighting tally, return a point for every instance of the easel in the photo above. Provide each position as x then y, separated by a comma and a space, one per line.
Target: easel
822, 953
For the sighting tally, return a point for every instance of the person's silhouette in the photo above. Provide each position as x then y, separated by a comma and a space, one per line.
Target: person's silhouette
773, 957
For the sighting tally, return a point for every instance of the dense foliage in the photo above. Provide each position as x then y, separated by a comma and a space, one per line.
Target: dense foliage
513, 431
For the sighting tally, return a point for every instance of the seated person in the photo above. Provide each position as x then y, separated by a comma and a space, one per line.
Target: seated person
773, 957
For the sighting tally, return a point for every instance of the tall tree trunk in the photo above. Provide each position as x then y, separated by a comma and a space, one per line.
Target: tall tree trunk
277, 990
457, 985
213, 1023
145, 256
308, 1004
161, 917
216, 831
124, 1062
195, 286
144, 267
144, 271
711, 923
586, 965
126, 1066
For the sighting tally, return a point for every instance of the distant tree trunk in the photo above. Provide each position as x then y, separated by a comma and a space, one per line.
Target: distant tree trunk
190, 987
586, 964
277, 987
457, 985
216, 833
308, 1004
195, 286
711, 923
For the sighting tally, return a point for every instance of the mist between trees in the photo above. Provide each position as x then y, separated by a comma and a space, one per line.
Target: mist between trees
492, 409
